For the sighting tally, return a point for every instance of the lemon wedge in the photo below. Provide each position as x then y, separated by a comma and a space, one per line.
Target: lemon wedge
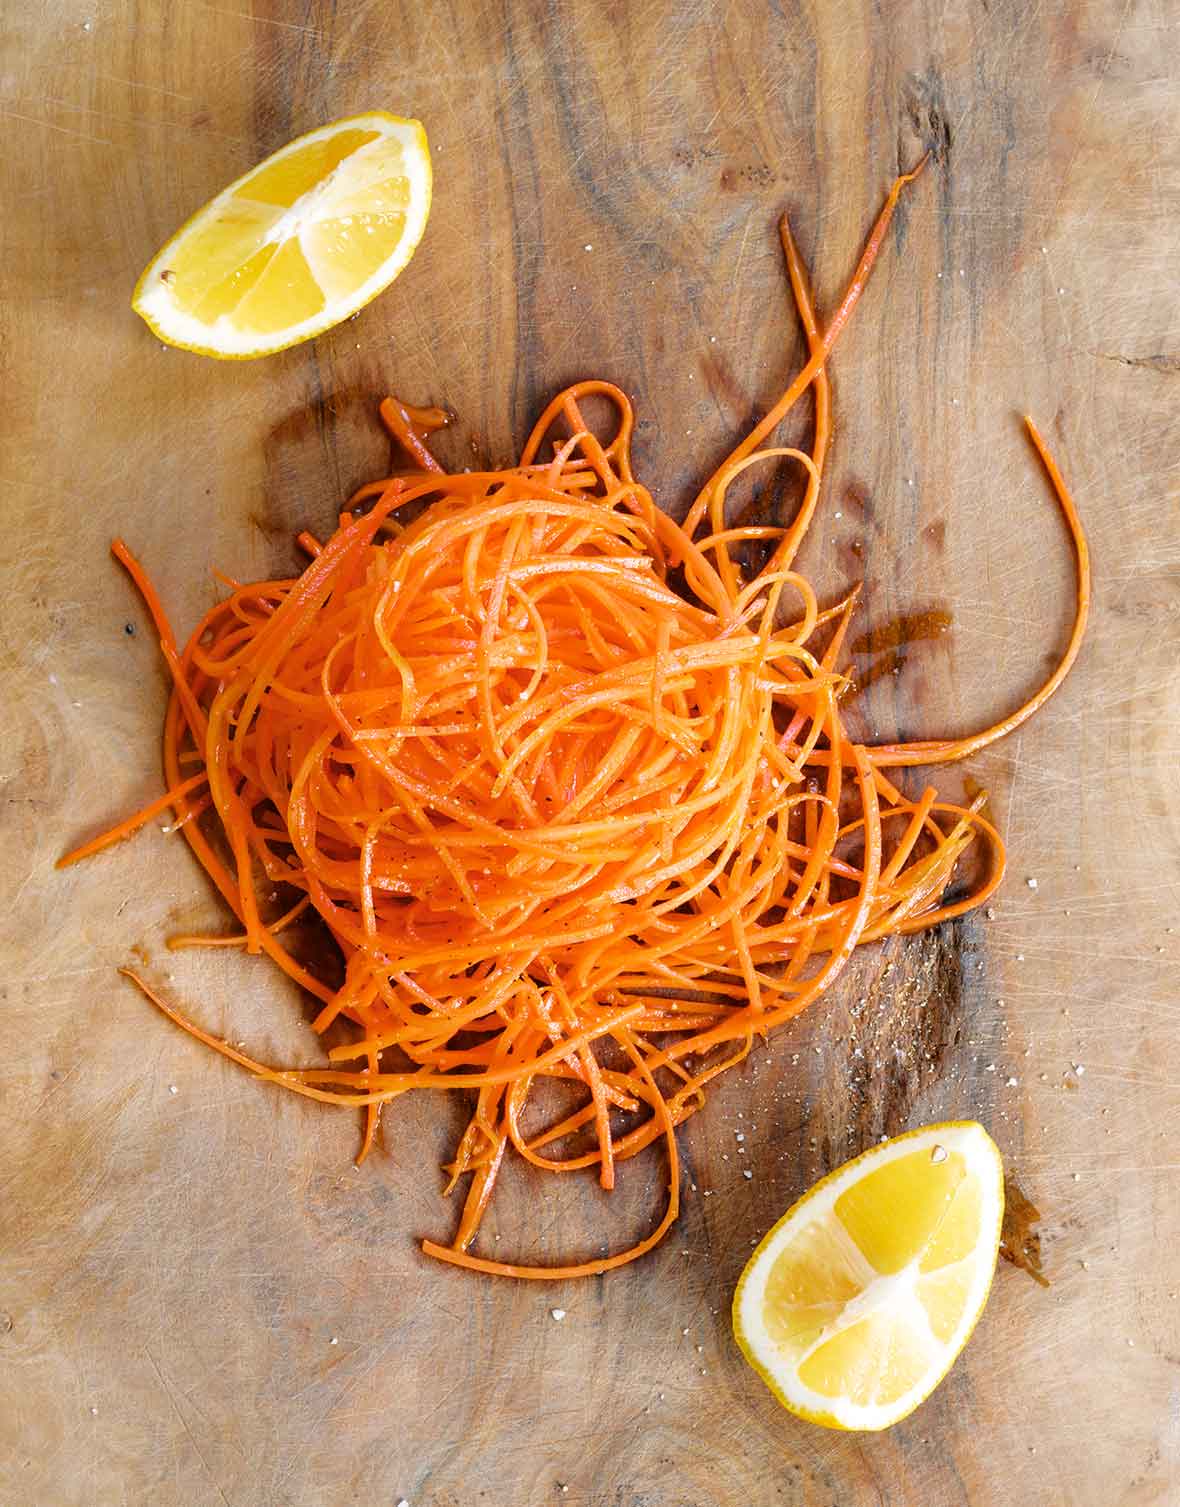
299, 243
857, 1302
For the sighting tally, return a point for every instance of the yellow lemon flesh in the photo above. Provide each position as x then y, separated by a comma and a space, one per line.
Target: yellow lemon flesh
301, 242
854, 1307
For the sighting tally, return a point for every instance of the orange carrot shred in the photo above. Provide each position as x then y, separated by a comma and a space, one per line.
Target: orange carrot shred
130, 824
581, 829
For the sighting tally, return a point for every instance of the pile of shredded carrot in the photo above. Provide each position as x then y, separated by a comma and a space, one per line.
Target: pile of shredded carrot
573, 795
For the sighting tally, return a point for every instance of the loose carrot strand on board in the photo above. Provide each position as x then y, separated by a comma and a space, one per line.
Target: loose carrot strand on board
576, 831
174, 797
948, 750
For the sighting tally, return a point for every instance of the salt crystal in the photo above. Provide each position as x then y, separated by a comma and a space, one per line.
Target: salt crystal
938, 1154
557, 1313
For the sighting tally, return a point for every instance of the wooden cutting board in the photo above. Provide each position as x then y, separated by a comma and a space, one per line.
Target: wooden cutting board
201, 1302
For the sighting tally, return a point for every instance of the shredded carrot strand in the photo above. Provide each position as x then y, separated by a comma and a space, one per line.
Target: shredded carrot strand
174, 797
575, 829
948, 750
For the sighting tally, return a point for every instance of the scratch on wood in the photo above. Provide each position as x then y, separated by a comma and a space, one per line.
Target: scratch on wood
1156, 363
1089, 110
238, 15
185, 1427
115, 78
62, 130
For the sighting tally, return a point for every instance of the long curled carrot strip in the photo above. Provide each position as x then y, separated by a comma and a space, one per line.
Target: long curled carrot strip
948, 750
578, 825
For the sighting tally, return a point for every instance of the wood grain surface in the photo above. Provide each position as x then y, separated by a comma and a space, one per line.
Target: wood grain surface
202, 1304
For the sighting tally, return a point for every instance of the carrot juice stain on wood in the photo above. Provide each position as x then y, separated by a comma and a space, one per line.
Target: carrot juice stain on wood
1020, 1240
888, 645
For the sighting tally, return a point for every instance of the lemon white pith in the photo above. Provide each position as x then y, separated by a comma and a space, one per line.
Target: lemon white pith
857, 1302
297, 244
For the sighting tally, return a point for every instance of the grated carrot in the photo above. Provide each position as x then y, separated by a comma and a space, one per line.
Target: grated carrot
568, 822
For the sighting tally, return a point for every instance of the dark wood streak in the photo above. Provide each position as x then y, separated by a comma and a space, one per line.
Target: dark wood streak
1160, 362
526, 206
607, 173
